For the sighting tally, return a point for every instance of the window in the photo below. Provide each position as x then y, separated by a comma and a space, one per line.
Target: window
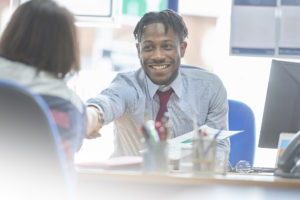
89, 11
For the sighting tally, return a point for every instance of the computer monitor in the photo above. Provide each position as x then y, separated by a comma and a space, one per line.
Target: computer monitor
282, 105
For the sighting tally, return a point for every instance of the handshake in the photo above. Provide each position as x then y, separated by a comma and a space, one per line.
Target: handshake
94, 122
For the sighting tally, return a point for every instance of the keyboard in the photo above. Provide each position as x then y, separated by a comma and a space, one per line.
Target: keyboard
263, 170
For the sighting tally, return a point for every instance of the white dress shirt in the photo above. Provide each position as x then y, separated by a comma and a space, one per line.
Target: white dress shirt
132, 94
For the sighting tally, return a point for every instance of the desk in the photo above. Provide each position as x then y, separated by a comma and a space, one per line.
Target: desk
99, 184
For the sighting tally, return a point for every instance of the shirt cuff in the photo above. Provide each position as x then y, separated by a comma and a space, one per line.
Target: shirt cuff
99, 109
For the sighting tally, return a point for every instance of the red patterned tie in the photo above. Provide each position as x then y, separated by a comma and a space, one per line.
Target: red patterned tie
163, 98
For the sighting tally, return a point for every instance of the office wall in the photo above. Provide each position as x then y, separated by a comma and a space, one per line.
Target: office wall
198, 27
4, 5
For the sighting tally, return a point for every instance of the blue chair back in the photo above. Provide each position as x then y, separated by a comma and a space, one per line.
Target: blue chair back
241, 117
33, 164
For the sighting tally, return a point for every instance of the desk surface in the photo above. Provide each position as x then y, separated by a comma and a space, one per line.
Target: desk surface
96, 183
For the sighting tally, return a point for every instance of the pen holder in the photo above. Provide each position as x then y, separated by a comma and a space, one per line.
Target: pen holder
221, 164
186, 159
204, 156
155, 157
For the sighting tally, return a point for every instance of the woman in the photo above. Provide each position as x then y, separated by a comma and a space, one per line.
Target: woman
38, 49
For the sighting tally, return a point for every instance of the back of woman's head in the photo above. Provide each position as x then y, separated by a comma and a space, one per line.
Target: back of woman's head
42, 34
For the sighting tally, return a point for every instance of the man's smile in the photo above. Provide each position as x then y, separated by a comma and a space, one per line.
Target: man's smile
159, 67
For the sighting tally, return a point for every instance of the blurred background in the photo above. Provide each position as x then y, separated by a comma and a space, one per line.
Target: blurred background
108, 47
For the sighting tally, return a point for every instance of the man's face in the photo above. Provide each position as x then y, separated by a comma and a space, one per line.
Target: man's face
160, 53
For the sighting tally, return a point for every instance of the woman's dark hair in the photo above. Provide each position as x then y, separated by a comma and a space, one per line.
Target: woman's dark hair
43, 35
168, 18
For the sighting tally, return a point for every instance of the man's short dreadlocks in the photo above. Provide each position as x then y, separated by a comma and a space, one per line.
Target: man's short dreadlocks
167, 17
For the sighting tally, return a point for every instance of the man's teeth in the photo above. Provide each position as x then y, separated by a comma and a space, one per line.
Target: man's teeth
159, 66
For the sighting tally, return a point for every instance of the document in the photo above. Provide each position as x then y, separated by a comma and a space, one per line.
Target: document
186, 139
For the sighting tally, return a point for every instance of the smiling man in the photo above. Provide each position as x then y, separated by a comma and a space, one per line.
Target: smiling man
161, 45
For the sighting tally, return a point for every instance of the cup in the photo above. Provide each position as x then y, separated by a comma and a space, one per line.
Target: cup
155, 157
186, 159
204, 156
221, 163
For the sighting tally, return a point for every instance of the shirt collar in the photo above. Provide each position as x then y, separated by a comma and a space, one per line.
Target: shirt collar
176, 85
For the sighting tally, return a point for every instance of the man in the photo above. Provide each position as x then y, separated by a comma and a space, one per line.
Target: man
160, 44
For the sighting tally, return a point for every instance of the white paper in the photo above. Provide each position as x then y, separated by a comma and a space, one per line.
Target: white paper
211, 132
185, 140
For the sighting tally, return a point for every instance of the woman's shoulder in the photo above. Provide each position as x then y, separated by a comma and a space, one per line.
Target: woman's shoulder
43, 83
59, 93
16, 71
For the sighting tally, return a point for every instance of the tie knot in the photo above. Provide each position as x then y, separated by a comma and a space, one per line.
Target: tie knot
164, 95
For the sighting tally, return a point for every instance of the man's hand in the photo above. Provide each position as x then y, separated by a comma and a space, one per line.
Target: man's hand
95, 122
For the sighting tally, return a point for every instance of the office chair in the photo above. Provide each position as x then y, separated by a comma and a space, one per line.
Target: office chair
241, 117
32, 162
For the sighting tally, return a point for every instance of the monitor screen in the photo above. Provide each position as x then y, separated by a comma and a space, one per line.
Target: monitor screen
282, 105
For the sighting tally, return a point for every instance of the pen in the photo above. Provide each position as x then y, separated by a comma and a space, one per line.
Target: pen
196, 138
214, 139
144, 131
146, 117
160, 130
195, 125
218, 133
166, 123
150, 127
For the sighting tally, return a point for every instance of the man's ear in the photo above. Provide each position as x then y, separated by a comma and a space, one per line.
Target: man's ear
138, 48
183, 46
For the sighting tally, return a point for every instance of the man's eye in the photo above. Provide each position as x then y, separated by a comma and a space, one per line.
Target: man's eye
147, 48
168, 46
